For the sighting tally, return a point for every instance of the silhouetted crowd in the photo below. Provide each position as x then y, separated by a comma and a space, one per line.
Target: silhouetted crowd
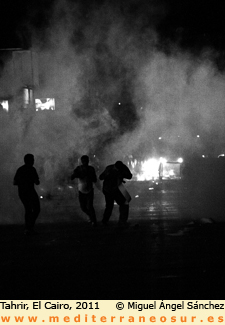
113, 176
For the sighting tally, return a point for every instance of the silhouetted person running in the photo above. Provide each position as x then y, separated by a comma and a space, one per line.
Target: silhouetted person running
86, 177
25, 178
112, 178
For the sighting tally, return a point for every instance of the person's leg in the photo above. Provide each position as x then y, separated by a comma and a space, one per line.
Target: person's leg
123, 206
28, 210
90, 206
36, 208
124, 213
109, 204
83, 202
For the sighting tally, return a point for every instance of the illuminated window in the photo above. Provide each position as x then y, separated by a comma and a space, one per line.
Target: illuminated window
42, 104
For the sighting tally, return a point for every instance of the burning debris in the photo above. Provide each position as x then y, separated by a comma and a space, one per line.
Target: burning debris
156, 169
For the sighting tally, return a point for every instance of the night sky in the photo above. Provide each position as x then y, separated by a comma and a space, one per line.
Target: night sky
192, 24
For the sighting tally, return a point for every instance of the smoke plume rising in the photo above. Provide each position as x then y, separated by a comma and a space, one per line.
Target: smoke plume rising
116, 92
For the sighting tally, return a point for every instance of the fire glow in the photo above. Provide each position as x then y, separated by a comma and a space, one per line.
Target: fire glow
145, 170
153, 169
149, 170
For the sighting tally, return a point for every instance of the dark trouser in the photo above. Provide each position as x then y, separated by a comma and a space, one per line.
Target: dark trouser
86, 204
32, 208
120, 200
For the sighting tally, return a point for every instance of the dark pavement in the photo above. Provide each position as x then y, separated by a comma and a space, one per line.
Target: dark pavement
172, 249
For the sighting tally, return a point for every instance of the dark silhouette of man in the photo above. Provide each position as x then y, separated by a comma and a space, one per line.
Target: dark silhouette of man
25, 178
113, 178
86, 177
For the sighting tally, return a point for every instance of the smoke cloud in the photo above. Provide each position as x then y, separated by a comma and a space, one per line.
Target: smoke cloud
116, 92
182, 106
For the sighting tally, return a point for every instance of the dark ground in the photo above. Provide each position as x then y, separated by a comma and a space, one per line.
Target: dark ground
173, 249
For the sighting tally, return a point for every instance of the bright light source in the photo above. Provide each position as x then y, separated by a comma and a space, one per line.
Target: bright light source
203, 156
162, 160
149, 170
198, 136
5, 105
119, 103
180, 160
160, 138
45, 104
154, 169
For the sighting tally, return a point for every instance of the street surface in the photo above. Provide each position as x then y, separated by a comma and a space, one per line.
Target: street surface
173, 248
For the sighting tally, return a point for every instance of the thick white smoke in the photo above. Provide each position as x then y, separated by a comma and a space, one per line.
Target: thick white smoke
181, 102
86, 58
